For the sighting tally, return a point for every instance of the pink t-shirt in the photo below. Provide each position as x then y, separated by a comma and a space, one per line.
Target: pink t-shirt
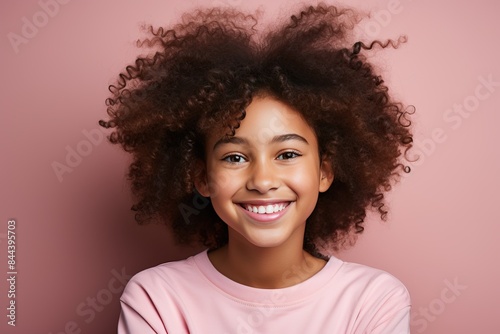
191, 296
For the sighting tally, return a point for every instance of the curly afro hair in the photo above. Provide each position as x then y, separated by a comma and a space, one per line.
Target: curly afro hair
203, 72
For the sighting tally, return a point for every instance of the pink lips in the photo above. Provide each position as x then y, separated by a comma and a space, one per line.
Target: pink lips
266, 217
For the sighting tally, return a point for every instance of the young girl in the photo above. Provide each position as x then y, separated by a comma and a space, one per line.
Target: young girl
268, 149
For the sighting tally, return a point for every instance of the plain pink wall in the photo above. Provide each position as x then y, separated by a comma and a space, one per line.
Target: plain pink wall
77, 241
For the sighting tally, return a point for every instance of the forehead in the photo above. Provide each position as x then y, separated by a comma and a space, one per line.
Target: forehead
267, 117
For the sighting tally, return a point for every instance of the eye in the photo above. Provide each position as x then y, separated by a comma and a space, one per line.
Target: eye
288, 155
234, 158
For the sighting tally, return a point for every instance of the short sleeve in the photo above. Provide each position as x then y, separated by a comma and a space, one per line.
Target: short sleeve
138, 312
131, 322
399, 323
393, 317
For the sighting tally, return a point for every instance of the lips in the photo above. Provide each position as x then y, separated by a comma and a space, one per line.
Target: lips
265, 212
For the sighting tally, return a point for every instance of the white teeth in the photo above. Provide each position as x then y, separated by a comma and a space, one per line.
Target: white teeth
261, 209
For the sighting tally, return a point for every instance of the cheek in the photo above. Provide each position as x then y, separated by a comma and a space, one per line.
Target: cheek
304, 176
219, 182
304, 183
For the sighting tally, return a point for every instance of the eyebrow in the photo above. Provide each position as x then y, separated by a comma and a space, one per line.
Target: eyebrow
243, 141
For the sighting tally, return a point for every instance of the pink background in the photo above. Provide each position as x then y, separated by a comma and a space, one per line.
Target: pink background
76, 234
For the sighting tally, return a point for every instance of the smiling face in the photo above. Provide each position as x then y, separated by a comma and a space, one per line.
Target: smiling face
264, 181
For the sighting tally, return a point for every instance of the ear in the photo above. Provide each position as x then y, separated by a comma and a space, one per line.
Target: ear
200, 178
326, 175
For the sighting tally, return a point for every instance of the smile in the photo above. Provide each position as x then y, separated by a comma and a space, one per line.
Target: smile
265, 213
265, 209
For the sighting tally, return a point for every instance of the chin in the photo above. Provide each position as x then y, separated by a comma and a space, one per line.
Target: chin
267, 242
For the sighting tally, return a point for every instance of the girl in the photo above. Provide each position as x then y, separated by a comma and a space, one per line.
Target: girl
268, 149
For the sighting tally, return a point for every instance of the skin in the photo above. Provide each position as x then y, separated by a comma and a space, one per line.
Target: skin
272, 160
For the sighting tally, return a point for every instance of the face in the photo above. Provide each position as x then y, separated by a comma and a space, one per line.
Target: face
264, 182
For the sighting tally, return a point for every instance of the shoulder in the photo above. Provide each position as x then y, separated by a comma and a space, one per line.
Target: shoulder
367, 274
166, 277
379, 301
157, 296
371, 282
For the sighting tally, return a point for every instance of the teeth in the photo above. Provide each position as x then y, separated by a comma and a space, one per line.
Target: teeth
261, 209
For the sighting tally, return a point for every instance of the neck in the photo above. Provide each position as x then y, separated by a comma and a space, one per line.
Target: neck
265, 267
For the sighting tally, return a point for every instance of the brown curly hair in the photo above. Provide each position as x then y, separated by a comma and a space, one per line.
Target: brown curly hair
203, 72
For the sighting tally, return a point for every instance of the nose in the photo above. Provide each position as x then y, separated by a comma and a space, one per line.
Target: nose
263, 177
